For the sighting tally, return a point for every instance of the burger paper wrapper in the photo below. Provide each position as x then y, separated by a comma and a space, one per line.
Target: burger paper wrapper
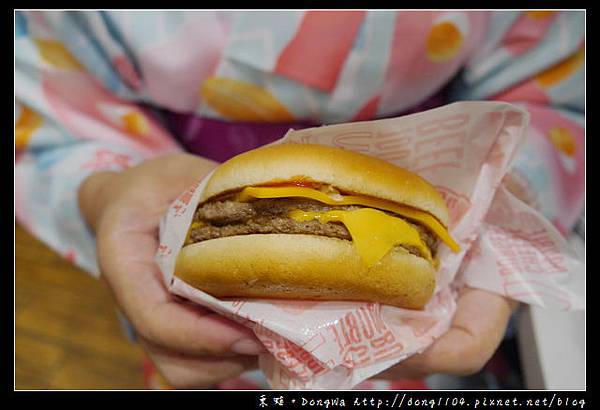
464, 149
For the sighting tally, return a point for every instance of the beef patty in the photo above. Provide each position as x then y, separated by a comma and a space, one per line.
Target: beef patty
264, 216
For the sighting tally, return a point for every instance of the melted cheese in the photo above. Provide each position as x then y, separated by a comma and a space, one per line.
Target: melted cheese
374, 233
424, 218
194, 225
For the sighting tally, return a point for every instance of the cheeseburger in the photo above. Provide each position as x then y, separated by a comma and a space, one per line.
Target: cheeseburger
303, 221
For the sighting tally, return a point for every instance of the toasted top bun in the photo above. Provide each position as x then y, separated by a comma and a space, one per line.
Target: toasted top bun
346, 170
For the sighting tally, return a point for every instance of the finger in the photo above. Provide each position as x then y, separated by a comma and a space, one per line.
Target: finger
476, 331
196, 331
158, 316
126, 253
185, 372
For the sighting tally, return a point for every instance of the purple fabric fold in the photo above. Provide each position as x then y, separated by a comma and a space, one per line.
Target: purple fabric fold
220, 140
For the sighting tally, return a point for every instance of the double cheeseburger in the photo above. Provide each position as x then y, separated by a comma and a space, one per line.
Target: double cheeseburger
302, 221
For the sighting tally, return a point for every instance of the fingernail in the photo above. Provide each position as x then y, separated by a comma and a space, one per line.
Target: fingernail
247, 346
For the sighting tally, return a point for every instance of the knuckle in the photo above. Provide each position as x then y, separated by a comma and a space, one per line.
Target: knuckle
471, 358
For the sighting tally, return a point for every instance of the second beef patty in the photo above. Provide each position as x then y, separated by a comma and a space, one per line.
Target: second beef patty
265, 216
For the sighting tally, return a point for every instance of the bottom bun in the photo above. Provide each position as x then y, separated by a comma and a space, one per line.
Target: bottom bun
286, 266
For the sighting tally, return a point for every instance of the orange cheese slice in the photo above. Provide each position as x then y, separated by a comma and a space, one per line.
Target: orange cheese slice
374, 233
422, 217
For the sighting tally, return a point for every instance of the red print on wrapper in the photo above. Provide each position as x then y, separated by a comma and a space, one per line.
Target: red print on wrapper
181, 203
363, 337
440, 143
164, 250
359, 141
457, 204
294, 358
522, 251
424, 146
496, 156
237, 305
393, 146
530, 290
420, 324
389, 146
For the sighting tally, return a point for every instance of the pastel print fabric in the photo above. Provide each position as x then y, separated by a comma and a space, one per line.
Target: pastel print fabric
83, 80
81, 77
537, 60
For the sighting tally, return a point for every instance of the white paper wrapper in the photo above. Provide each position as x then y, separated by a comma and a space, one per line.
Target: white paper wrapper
464, 149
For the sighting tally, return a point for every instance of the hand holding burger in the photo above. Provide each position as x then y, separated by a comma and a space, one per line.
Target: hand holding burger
302, 221
195, 348
192, 347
